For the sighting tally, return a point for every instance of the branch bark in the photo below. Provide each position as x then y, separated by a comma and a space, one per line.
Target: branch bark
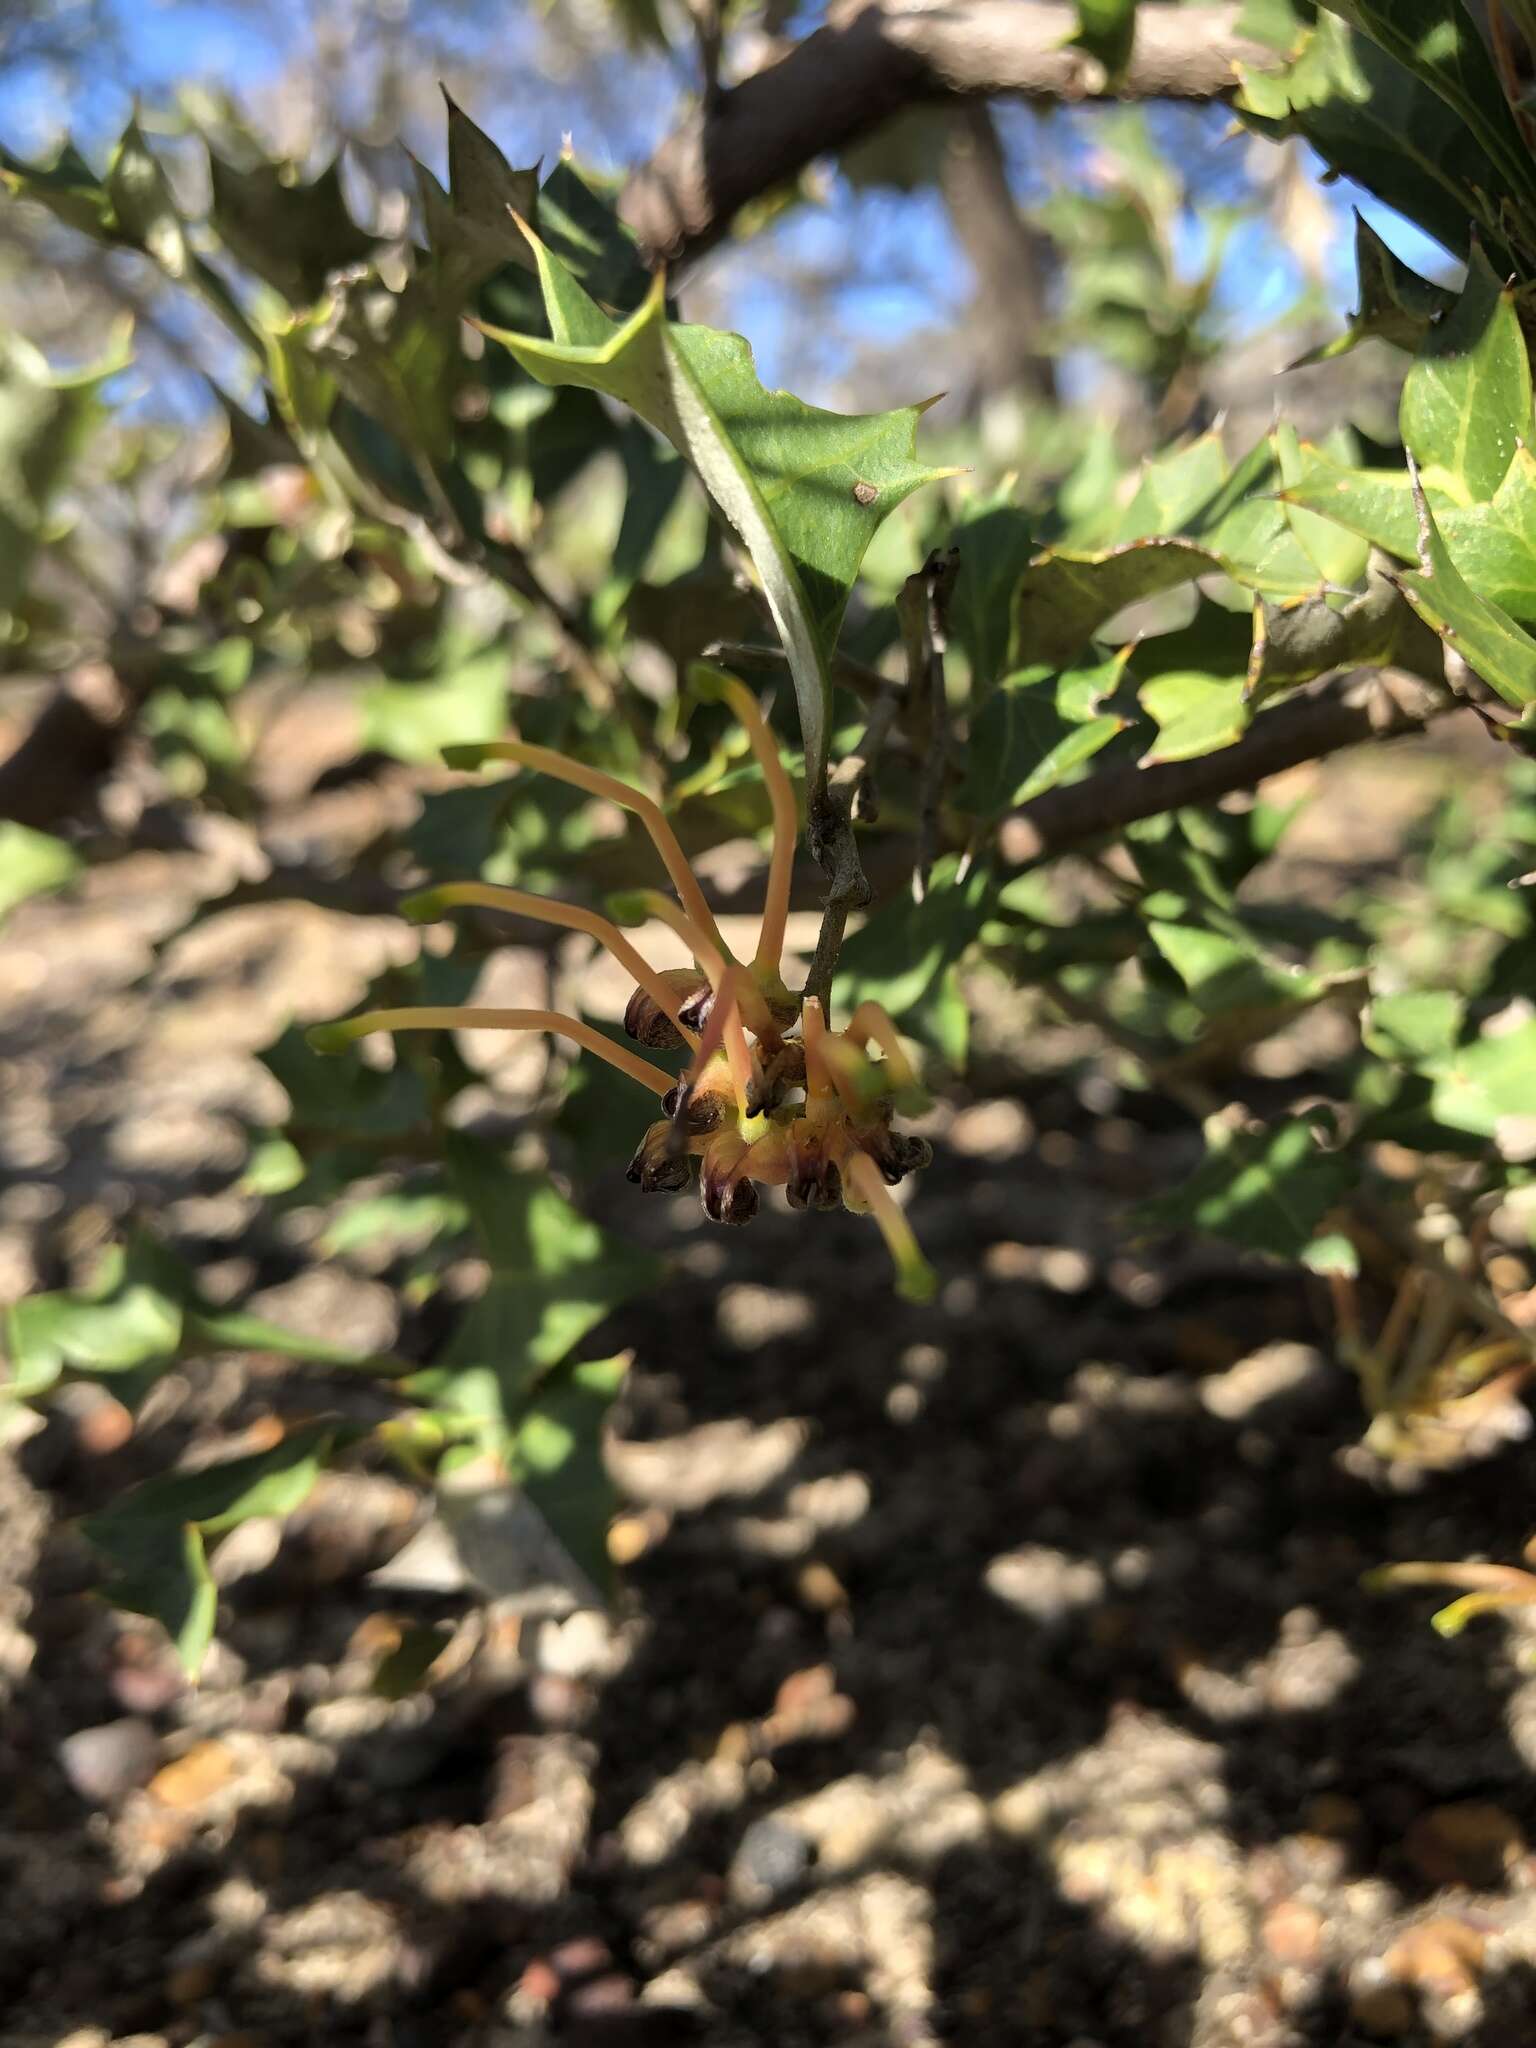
1368, 704
874, 57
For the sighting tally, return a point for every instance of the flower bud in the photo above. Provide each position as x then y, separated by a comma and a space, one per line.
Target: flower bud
725, 1189
659, 1165
777, 1077
706, 1104
815, 1181
646, 1021
896, 1153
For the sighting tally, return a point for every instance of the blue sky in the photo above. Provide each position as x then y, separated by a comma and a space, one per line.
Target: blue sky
907, 271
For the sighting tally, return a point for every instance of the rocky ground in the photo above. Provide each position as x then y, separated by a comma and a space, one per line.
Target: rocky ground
986, 1673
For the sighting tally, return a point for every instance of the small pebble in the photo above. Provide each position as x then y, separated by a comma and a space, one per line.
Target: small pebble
106, 1762
771, 1860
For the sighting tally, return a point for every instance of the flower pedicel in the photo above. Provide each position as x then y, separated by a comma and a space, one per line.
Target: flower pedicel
773, 1096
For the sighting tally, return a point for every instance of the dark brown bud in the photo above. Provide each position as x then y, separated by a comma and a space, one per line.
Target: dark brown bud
782, 1073
814, 1179
646, 1021
728, 1194
733, 1202
896, 1153
659, 1166
698, 1110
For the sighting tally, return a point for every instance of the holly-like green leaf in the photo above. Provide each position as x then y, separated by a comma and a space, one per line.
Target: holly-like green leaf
1031, 734
401, 1216
293, 234
1194, 713
995, 546
1377, 504
132, 208
1225, 972
1174, 490
1483, 634
143, 204
472, 228
804, 489
153, 1538
1415, 1025
66, 185
554, 1276
1191, 515
1268, 1190
1396, 304
1466, 402
338, 1098
32, 864
126, 1322
1493, 545
1339, 560
1437, 41
579, 221
1372, 120
451, 702
142, 1311
1064, 598
1479, 1085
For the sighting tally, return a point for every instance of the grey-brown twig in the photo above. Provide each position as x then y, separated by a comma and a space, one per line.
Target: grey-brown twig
922, 608
874, 57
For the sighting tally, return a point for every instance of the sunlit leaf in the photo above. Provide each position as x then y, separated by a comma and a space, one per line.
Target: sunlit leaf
804, 489
1024, 742
1466, 403
142, 1311
1437, 41
1223, 972
1479, 1084
1063, 598
1483, 634
125, 1322
143, 203
1268, 1190
1372, 120
1194, 713
453, 701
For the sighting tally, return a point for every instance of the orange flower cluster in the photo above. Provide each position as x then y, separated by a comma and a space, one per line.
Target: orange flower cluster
772, 1096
